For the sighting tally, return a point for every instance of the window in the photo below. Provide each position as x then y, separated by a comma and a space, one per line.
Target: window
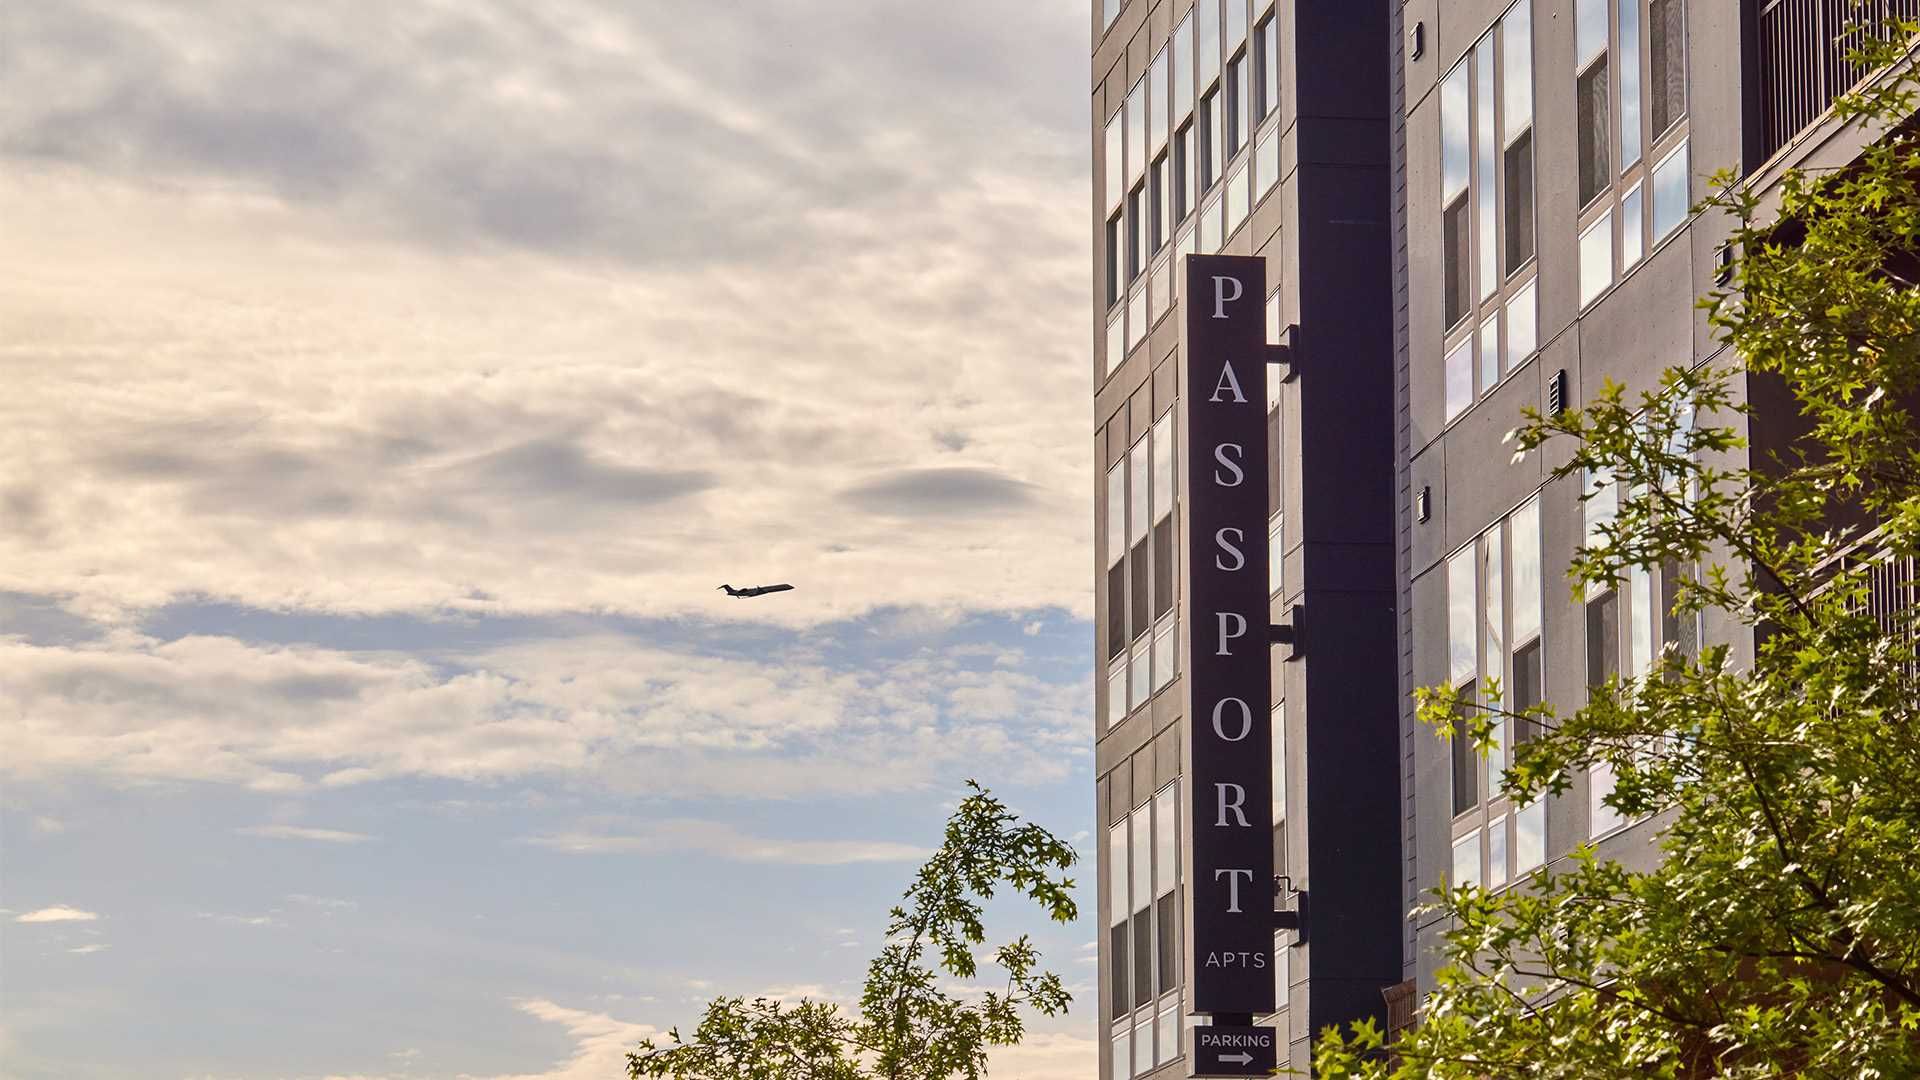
1207, 42
1489, 354
1169, 1035
1530, 836
1523, 335
1453, 191
1603, 663
1116, 559
1462, 665
1109, 11
1466, 860
1487, 203
1266, 46
1630, 233
1276, 555
1166, 653
1667, 48
1122, 1052
1493, 641
1629, 11
1623, 121
1210, 149
1484, 132
1139, 510
1236, 24
1670, 193
1183, 69
1114, 164
1516, 52
1162, 439
1459, 375
1591, 93
1166, 843
1239, 104
1266, 161
1596, 259
1143, 1044
1120, 1000
1497, 853
1279, 762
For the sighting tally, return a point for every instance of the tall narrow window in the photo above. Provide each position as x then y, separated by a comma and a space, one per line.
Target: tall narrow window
1120, 997
1454, 167
1235, 86
1483, 157
1493, 640
1139, 511
1629, 82
1116, 560
1157, 98
1516, 53
1459, 378
1280, 763
1183, 173
1670, 192
1596, 259
1206, 42
1523, 536
1276, 554
1142, 894
1593, 94
1183, 70
1166, 840
1235, 27
1667, 44
1163, 515
1210, 148
1266, 39
1462, 666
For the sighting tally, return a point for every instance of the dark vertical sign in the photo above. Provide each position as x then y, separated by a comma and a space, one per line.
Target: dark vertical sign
1230, 738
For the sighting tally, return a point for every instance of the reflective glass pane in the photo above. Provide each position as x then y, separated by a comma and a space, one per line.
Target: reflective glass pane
1466, 860
1266, 163
1169, 1036
1166, 839
1122, 1049
1489, 354
1117, 692
1236, 24
1276, 554
1141, 684
1530, 836
1670, 198
1280, 762
1596, 259
1604, 819
1206, 41
1640, 610
1117, 901
1590, 29
1493, 637
1497, 853
1459, 376
1453, 135
1236, 199
1142, 819
1183, 69
1484, 155
1525, 535
1522, 326
1157, 101
1462, 664
1163, 466
1631, 236
1116, 340
1139, 509
1116, 514
1166, 654
1115, 166
1143, 1044
1629, 82
1136, 132
1516, 52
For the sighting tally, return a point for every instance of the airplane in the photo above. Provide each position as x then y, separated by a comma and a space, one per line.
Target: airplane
755, 590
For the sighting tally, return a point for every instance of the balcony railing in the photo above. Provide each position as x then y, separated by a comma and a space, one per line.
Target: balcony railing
1803, 52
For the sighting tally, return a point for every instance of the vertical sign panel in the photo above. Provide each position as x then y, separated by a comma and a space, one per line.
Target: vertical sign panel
1230, 825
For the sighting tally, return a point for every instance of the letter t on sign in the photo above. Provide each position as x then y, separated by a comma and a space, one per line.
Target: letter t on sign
1229, 823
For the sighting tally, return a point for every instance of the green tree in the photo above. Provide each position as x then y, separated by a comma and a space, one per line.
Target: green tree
1780, 934
910, 1025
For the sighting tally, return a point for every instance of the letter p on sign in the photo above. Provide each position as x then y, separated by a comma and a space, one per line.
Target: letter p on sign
1221, 298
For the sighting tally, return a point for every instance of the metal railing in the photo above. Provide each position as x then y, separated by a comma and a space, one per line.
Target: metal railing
1803, 49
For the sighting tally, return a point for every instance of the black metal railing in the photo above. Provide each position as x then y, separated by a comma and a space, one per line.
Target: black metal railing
1803, 55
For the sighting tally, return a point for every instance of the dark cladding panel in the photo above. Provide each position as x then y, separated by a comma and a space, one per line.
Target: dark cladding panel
1229, 819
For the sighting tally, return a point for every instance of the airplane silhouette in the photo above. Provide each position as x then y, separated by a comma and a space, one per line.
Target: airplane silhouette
755, 590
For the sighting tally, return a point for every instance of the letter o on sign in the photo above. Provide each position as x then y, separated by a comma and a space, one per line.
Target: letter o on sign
1219, 719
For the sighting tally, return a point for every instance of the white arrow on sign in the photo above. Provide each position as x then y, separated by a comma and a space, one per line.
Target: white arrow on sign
1241, 1058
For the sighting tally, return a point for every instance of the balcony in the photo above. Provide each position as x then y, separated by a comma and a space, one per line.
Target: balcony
1803, 47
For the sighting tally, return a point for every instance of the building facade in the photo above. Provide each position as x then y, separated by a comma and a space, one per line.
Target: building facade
1467, 207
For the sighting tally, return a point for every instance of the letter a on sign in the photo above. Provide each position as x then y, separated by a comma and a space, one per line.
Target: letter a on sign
1229, 822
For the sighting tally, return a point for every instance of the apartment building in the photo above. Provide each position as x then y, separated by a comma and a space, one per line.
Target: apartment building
1467, 208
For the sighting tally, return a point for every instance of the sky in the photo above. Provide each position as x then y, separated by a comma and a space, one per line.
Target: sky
388, 386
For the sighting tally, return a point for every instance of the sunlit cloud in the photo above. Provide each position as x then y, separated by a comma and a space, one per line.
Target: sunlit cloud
681, 836
302, 832
56, 914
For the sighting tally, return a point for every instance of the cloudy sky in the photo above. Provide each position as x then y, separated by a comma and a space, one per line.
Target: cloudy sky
384, 389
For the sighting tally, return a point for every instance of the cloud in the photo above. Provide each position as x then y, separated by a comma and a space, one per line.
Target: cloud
301, 832
775, 722
89, 949
936, 492
510, 309
1048, 1056
240, 920
680, 836
56, 914
601, 1043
